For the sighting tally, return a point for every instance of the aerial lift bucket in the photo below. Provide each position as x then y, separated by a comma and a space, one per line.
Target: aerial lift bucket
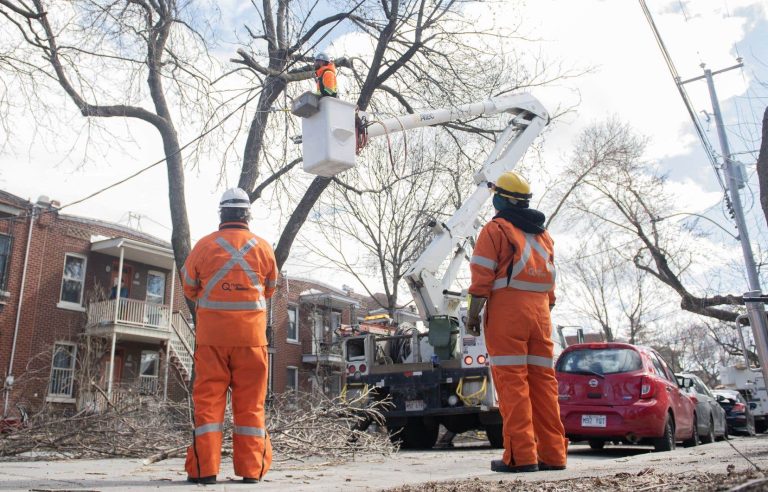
327, 133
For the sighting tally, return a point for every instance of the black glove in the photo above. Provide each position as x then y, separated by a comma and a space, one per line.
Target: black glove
473, 315
472, 326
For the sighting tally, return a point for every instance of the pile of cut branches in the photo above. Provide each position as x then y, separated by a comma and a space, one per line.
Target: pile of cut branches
300, 426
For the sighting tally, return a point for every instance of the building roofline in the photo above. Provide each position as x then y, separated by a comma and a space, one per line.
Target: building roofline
117, 227
317, 283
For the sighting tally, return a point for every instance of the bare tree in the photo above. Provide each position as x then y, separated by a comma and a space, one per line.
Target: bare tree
420, 53
132, 59
762, 166
627, 194
607, 289
382, 231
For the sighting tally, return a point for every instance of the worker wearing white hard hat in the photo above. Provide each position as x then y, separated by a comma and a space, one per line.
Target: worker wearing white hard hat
230, 274
325, 75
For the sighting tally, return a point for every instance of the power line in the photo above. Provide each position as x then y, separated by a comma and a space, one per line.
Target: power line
683, 93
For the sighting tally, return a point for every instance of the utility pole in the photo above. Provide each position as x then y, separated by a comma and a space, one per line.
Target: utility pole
753, 299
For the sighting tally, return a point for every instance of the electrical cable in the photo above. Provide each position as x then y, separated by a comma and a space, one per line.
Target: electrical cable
686, 100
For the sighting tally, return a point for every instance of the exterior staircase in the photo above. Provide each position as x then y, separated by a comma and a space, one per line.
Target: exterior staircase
182, 345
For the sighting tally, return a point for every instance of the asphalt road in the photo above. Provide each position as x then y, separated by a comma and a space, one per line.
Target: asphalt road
369, 473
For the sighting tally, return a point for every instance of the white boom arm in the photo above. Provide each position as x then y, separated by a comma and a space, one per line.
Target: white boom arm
528, 120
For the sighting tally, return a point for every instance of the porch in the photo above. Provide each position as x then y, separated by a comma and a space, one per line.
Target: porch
129, 319
122, 319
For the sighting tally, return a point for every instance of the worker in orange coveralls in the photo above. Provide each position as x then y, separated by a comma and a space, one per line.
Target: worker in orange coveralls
513, 269
230, 274
325, 75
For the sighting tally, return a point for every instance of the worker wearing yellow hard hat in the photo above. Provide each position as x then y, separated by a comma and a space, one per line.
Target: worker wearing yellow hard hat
513, 277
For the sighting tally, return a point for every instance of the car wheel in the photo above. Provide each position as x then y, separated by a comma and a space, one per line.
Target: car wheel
694, 440
709, 437
596, 445
667, 441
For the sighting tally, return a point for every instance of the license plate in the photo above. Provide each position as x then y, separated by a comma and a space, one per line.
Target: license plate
415, 405
593, 420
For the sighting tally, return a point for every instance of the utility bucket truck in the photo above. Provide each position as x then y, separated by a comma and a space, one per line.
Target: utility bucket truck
747, 377
440, 374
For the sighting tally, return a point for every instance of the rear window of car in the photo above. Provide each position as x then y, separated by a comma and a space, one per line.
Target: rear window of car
600, 361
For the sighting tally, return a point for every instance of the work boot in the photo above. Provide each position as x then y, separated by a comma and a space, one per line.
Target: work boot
250, 480
546, 467
211, 480
500, 466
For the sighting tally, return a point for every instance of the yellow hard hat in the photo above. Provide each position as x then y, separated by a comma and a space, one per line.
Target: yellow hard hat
512, 185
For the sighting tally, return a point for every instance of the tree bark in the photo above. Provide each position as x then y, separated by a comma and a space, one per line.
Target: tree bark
762, 167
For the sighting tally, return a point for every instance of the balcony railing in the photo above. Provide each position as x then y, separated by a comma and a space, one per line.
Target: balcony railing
324, 352
147, 385
130, 312
61, 382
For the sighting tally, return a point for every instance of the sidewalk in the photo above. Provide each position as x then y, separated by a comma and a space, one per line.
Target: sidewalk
374, 472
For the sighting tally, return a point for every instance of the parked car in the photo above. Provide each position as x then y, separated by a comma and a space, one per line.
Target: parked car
617, 392
737, 412
710, 416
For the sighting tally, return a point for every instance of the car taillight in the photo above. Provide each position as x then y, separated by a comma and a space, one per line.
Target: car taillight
646, 387
738, 407
468, 360
362, 367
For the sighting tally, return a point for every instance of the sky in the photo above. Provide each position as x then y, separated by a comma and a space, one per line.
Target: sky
628, 79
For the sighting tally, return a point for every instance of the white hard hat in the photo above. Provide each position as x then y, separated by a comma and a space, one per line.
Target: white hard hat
322, 57
235, 198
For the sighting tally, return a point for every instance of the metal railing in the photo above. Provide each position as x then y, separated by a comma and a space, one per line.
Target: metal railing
61, 382
147, 385
130, 312
183, 341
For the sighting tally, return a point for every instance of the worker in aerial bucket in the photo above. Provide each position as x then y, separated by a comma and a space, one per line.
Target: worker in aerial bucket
513, 270
325, 75
230, 274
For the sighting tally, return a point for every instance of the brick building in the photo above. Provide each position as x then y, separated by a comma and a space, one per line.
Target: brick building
70, 327
309, 319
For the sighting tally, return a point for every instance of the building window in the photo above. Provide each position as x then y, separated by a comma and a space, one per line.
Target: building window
148, 370
155, 287
292, 379
5, 259
62, 370
73, 279
335, 321
293, 323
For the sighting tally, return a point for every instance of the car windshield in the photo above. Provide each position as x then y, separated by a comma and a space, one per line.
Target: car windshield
599, 361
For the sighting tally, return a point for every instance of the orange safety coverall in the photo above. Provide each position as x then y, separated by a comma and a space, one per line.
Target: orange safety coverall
515, 271
326, 80
230, 274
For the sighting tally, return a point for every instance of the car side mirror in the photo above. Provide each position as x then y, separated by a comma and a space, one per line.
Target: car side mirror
685, 383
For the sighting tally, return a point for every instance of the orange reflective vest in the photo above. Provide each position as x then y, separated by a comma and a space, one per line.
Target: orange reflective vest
326, 80
230, 274
505, 257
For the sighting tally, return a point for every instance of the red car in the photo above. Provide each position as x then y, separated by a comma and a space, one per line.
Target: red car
623, 393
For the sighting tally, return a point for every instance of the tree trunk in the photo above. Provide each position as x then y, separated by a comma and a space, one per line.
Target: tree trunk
273, 87
298, 217
762, 167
